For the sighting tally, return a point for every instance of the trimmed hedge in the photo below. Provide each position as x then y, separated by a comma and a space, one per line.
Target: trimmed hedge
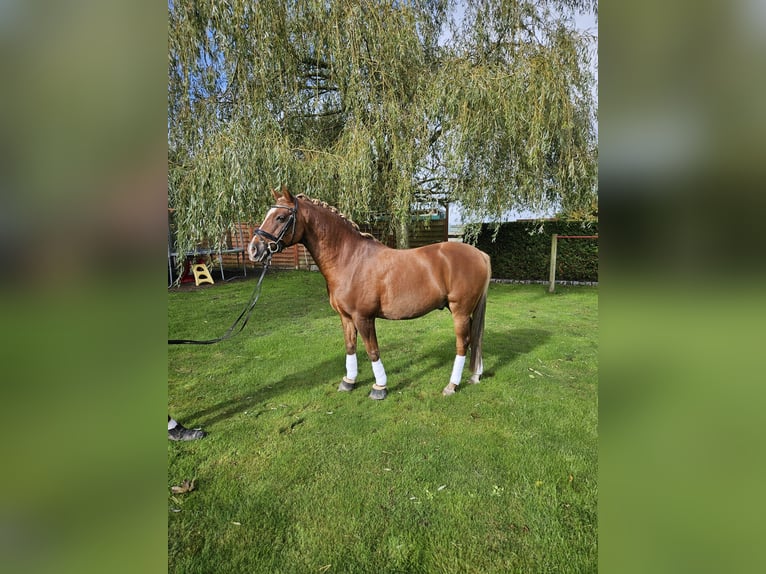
522, 250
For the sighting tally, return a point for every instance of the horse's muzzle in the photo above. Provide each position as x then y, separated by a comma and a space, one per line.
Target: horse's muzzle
257, 250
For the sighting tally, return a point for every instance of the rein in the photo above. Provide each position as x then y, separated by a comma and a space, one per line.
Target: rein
243, 316
275, 244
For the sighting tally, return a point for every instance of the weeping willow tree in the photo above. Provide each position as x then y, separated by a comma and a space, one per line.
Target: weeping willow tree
376, 107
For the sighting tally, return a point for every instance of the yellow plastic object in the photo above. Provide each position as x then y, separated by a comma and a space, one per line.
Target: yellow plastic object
201, 274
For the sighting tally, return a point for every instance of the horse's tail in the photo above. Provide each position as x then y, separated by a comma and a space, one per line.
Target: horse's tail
477, 321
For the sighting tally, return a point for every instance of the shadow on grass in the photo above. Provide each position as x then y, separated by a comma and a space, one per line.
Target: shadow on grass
409, 363
501, 348
263, 394
506, 345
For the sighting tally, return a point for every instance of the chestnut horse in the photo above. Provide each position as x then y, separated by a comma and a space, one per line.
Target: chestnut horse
367, 280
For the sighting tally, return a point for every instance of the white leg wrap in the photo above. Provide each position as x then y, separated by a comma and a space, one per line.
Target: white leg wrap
457, 369
479, 370
351, 367
172, 424
380, 373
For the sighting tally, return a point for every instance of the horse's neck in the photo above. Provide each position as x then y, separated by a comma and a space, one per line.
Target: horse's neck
328, 238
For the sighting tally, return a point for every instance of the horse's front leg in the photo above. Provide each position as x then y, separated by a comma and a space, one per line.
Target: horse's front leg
349, 333
367, 330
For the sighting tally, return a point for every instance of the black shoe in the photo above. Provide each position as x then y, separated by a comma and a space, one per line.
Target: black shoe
180, 432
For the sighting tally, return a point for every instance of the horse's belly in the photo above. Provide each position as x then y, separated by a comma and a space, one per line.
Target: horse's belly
410, 304
397, 314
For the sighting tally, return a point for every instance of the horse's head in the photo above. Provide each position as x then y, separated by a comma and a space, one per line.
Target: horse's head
278, 229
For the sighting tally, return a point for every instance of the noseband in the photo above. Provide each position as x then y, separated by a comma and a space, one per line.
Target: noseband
274, 243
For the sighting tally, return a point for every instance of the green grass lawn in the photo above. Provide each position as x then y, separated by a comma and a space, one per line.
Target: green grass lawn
296, 477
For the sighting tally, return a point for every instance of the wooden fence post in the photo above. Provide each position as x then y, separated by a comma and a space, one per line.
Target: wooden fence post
552, 276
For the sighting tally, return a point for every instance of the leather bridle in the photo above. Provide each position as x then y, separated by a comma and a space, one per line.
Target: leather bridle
275, 243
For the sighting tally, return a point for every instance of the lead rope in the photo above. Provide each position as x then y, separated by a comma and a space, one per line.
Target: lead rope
230, 332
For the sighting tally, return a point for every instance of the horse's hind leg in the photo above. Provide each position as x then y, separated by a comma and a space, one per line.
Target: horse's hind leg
476, 376
462, 340
349, 333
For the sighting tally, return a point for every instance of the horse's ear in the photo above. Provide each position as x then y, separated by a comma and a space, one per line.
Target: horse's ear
287, 195
275, 194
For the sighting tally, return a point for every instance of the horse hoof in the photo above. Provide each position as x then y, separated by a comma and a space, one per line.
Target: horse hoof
449, 390
346, 385
474, 380
378, 394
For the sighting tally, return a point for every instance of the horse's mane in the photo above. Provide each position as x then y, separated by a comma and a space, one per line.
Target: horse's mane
331, 209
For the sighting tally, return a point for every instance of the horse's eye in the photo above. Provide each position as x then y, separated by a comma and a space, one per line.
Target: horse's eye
280, 218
